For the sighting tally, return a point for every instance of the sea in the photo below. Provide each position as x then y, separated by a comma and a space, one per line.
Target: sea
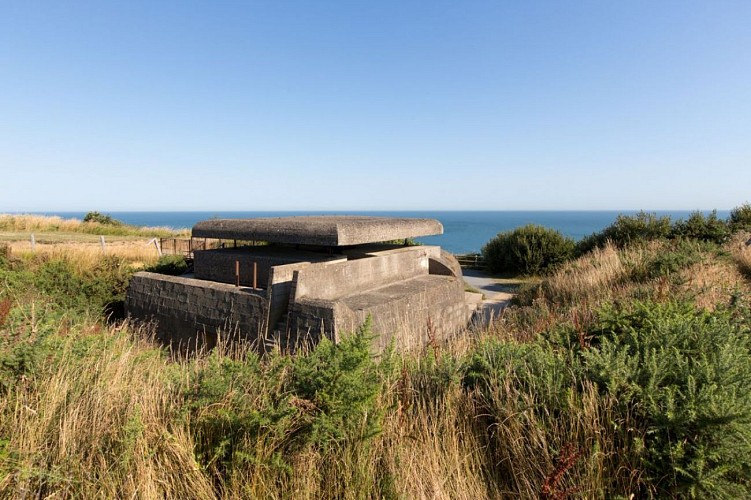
463, 231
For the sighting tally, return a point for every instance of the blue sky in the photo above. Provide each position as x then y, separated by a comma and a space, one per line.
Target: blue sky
374, 105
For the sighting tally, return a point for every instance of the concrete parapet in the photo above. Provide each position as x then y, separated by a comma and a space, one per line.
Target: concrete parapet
408, 312
338, 279
219, 264
191, 312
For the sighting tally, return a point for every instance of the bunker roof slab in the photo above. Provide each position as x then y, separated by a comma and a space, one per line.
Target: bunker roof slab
318, 230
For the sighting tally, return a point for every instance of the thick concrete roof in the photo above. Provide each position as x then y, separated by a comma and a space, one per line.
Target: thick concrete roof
325, 230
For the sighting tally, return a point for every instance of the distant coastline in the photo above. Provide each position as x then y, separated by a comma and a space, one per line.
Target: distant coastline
464, 231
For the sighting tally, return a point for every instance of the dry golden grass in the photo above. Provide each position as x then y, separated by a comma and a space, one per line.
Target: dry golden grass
109, 421
712, 282
100, 426
86, 256
27, 223
742, 253
592, 274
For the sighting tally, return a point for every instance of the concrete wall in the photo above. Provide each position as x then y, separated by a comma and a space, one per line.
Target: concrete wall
445, 264
190, 311
219, 265
406, 313
401, 311
281, 286
304, 301
334, 280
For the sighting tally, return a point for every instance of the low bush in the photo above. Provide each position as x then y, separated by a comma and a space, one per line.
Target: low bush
668, 262
685, 377
529, 250
174, 265
99, 218
701, 227
628, 229
740, 218
248, 412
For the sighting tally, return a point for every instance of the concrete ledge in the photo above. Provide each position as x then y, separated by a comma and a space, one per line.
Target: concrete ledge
318, 230
333, 280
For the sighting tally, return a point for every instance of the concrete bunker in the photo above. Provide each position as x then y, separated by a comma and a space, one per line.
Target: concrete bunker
317, 276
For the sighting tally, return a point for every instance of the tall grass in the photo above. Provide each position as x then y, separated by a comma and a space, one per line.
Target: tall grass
543, 403
98, 422
741, 250
42, 223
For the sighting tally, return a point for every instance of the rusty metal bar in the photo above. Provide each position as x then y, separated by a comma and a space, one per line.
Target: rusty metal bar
237, 273
255, 275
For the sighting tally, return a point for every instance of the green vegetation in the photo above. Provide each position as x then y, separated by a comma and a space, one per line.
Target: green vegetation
174, 265
704, 228
628, 229
740, 218
626, 371
527, 250
104, 219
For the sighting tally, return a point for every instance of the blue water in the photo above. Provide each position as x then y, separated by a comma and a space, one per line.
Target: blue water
463, 232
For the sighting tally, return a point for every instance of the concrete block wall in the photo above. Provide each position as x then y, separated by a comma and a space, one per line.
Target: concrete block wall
340, 279
406, 310
400, 311
309, 321
190, 310
219, 264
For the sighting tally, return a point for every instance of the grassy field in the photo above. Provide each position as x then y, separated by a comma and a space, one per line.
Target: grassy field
626, 373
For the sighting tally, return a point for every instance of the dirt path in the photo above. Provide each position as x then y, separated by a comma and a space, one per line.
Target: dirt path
497, 291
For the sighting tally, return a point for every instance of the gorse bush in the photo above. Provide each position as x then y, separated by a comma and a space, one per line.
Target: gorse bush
669, 261
103, 219
628, 229
686, 377
528, 250
740, 218
174, 265
251, 411
700, 227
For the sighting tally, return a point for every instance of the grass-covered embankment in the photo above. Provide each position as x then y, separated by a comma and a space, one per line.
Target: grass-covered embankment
94, 224
626, 371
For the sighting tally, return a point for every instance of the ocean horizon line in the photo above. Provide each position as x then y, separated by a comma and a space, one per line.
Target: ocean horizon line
464, 231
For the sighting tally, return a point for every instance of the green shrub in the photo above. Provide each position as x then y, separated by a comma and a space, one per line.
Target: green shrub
701, 227
684, 376
740, 218
174, 265
259, 412
92, 290
628, 229
341, 382
98, 218
528, 250
677, 256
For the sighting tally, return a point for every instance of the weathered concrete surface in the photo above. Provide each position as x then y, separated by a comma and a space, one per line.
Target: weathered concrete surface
445, 264
219, 265
189, 312
318, 230
334, 280
411, 312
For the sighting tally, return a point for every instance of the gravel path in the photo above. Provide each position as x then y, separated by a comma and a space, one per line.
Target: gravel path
498, 292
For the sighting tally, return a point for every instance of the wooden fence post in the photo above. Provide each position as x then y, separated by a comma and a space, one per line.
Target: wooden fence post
33, 243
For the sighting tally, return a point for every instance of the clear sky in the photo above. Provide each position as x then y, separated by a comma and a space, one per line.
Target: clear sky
275, 105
